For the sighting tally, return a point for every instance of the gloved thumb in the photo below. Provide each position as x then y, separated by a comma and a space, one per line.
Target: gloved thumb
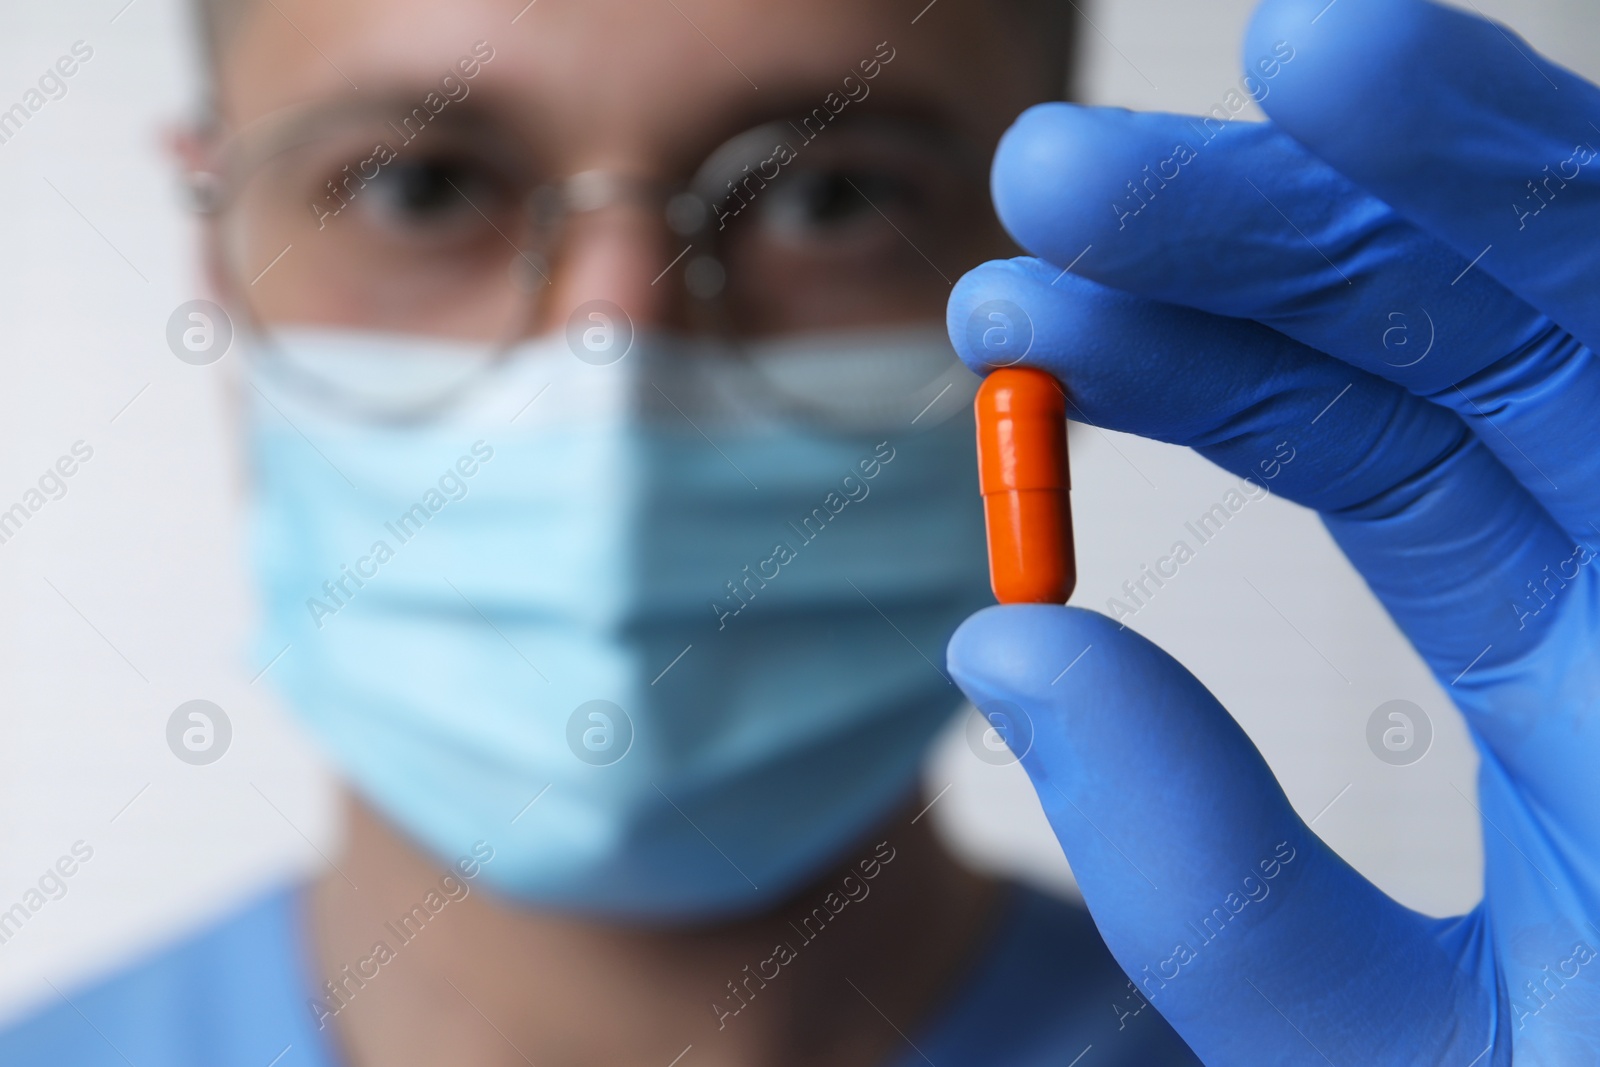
1209, 890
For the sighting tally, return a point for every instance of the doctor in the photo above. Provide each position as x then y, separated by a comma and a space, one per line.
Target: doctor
614, 503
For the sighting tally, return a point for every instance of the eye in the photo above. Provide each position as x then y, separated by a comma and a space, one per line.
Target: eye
815, 203
432, 196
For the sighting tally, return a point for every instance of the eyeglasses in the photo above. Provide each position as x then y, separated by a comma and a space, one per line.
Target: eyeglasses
379, 219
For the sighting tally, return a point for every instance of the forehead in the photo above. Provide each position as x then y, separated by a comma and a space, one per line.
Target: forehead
629, 78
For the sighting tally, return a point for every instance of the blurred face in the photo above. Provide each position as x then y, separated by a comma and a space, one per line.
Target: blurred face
392, 151
431, 167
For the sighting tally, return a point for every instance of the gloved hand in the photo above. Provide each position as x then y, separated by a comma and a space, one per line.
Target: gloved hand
1399, 277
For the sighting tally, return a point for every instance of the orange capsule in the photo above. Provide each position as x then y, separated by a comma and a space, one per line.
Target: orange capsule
1022, 474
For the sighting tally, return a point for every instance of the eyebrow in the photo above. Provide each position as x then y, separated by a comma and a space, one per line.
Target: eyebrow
499, 117
393, 108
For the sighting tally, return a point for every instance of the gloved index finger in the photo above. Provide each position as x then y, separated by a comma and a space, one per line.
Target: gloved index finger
1239, 219
1432, 520
1460, 126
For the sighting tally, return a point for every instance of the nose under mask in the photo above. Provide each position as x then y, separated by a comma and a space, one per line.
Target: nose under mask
666, 634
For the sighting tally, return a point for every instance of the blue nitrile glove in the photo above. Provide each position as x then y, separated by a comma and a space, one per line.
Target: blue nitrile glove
1371, 282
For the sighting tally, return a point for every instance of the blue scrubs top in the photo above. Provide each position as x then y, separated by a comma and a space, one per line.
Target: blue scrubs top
1044, 991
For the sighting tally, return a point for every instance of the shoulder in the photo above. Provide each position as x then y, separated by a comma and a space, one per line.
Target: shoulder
234, 993
1045, 990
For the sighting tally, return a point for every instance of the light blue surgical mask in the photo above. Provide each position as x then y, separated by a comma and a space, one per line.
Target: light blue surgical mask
667, 634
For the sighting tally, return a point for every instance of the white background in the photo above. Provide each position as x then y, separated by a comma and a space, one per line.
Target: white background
127, 597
